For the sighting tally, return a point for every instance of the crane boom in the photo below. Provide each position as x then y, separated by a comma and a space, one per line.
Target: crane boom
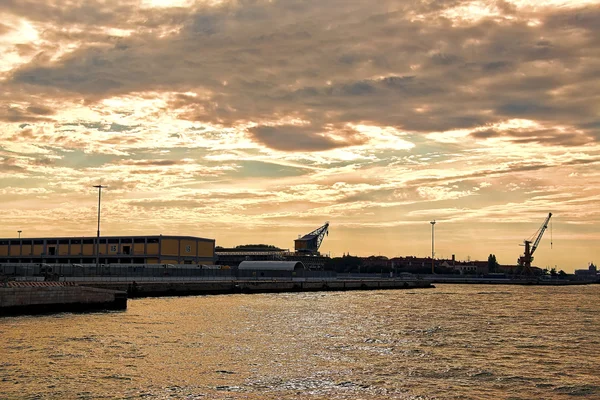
525, 260
540, 233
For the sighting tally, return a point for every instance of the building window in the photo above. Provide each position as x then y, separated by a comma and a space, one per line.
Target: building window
126, 249
51, 251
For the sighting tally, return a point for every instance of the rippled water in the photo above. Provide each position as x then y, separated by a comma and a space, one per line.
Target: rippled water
452, 342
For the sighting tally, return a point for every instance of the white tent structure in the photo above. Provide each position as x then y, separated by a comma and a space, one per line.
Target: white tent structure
271, 265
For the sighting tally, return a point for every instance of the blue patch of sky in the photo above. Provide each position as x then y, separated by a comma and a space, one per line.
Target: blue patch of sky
258, 169
113, 127
80, 159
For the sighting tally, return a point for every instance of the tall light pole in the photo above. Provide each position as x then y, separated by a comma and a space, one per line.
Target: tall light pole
98, 235
432, 246
19, 233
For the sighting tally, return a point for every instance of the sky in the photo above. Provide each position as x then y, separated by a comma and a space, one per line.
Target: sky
258, 121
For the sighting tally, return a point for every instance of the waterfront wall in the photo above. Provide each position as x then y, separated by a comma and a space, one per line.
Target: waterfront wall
184, 288
18, 298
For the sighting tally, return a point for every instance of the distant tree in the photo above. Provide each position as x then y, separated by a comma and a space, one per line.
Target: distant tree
545, 271
344, 264
553, 272
562, 273
257, 246
492, 263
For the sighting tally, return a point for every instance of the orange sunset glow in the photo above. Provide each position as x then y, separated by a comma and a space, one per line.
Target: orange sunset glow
257, 121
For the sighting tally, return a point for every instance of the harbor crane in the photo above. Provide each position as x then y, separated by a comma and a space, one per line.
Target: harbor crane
530, 245
311, 242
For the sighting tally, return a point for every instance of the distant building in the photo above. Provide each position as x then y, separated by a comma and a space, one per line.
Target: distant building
466, 269
233, 257
592, 271
112, 250
514, 270
375, 261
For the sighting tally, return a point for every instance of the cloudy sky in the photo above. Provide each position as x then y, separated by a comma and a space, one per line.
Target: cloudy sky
256, 121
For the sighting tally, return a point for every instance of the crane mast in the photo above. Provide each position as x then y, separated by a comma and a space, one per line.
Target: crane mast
531, 245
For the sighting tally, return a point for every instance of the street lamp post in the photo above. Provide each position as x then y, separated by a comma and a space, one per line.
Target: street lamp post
98, 233
432, 246
19, 233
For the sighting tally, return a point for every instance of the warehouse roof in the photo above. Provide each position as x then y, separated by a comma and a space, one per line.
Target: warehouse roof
271, 265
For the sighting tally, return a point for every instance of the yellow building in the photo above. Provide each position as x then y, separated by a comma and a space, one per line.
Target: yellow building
112, 250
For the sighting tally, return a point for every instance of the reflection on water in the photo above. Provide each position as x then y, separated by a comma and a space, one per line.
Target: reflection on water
452, 342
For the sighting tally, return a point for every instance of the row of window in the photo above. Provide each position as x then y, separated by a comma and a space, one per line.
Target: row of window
113, 248
75, 260
75, 241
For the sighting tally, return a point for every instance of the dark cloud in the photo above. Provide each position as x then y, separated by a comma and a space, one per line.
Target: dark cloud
506, 7
36, 110
4, 29
586, 18
44, 162
500, 171
496, 66
153, 163
488, 133
445, 59
295, 138
523, 108
10, 164
372, 63
583, 161
541, 136
30, 114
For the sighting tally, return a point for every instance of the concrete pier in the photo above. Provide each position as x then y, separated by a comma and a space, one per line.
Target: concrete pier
18, 298
185, 288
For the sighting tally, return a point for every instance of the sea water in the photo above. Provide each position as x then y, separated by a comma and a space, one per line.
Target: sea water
451, 342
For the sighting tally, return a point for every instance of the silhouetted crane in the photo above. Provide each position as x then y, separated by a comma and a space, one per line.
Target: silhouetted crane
530, 245
311, 242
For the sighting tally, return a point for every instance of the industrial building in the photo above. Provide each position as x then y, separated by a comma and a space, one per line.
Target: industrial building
112, 250
306, 251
